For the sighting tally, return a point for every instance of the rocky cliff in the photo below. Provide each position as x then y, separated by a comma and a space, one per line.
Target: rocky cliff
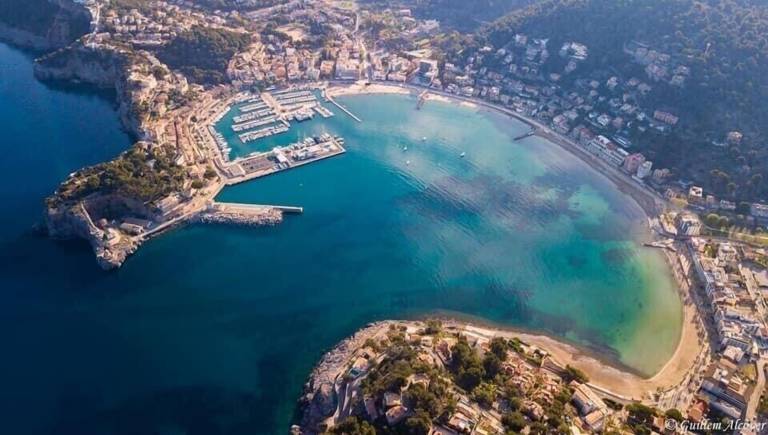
72, 221
43, 24
103, 67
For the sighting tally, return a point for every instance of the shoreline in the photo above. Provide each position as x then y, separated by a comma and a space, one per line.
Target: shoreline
646, 199
611, 377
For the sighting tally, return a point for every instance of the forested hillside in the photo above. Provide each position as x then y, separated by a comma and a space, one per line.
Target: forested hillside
202, 54
725, 44
461, 15
38, 17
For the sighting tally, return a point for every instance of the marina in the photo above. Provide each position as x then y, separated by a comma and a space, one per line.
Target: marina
306, 151
262, 133
322, 111
252, 107
247, 117
253, 117
253, 124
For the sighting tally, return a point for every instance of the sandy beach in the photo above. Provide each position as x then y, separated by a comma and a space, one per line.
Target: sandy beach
373, 88
606, 376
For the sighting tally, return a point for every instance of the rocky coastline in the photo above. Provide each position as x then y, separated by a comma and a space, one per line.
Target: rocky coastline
269, 217
320, 396
72, 222
102, 67
69, 23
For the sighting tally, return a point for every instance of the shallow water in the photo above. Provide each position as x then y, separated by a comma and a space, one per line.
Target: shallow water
214, 329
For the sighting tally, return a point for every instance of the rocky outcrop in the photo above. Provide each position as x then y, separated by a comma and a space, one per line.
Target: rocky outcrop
102, 67
56, 23
72, 221
269, 216
319, 401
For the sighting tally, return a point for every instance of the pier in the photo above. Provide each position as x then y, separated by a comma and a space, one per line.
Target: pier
240, 214
525, 135
343, 109
422, 99
235, 206
661, 244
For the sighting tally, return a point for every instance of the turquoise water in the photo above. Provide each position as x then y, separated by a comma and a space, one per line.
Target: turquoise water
213, 329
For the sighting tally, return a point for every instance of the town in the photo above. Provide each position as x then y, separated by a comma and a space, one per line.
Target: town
284, 61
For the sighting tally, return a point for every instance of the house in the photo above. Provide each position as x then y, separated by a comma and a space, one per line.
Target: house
396, 414
759, 210
392, 399
665, 117
586, 400
695, 194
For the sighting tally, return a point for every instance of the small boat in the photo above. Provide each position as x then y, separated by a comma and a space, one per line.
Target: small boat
424, 139
462, 155
407, 162
405, 148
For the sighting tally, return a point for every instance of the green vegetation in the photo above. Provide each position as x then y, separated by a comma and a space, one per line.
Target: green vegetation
434, 327
574, 374
674, 414
123, 6
461, 15
38, 17
640, 417
353, 426
202, 53
466, 365
723, 42
141, 174
228, 5
430, 392
427, 403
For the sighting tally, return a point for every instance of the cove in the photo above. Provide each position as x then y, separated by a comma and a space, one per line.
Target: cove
213, 329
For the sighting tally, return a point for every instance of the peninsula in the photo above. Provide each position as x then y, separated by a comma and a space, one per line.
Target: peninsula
169, 100
193, 80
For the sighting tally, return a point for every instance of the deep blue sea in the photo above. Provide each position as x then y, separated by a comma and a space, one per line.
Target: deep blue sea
214, 329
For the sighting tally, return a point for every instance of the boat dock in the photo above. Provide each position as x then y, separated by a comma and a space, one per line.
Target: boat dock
252, 107
282, 158
253, 124
530, 133
234, 206
262, 133
661, 244
323, 111
343, 109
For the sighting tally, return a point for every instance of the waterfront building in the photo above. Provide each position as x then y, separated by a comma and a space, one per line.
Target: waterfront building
688, 224
759, 210
632, 163
645, 169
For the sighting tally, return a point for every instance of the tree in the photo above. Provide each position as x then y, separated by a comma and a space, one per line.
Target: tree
574, 374
353, 426
434, 327
491, 365
499, 347
674, 414
470, 378
484, 394
514, 421
419, 424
